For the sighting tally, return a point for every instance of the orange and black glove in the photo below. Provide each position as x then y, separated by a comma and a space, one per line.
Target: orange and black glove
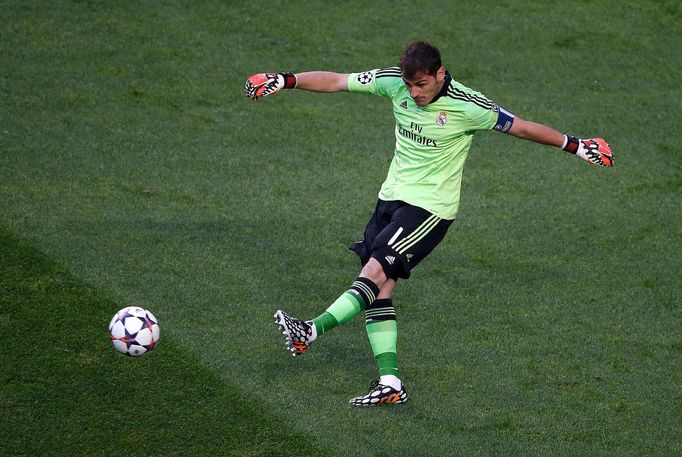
593, 150
262, 84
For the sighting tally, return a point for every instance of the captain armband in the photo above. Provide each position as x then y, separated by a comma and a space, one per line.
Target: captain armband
505, 119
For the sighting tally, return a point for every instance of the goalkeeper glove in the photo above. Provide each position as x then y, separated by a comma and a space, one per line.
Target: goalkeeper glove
593, 150
262, 84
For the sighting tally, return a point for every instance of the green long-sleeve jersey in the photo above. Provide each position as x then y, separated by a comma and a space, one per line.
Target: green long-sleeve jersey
432, 141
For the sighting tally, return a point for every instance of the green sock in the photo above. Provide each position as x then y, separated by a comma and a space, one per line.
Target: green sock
388, 364
382, 331
347, 306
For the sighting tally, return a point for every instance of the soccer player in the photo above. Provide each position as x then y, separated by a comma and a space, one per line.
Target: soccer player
435, 120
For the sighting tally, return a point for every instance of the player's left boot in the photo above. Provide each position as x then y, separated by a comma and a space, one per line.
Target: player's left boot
299, 334
380, 394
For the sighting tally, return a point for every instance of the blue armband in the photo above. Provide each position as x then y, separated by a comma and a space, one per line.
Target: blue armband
505, 119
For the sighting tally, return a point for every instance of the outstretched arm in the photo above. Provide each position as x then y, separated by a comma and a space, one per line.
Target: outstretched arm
538, 133
263, 84
593, 150
322, 81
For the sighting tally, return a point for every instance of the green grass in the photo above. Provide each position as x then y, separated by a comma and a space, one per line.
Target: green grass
133, 171
66, 393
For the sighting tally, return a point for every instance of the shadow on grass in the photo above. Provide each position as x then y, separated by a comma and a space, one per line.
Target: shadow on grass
65, 391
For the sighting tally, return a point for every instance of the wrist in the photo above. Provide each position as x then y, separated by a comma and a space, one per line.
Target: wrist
289, 80
570, 144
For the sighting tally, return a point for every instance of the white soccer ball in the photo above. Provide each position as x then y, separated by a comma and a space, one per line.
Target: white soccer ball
134, 331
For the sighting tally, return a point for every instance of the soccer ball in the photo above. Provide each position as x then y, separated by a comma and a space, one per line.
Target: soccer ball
134, 331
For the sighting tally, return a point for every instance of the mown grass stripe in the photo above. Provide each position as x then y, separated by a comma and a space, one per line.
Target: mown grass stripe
65, 391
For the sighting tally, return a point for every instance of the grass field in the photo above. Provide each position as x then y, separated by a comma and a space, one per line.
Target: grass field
133, 171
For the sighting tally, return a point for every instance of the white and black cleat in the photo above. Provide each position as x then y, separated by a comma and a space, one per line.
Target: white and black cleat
380, 394
299, 334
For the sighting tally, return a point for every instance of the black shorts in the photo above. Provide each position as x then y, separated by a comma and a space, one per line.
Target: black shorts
399, 236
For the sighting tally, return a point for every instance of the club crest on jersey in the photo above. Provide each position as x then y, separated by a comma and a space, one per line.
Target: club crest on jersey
442, 119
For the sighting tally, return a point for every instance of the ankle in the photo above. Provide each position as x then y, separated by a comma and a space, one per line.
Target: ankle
392, 381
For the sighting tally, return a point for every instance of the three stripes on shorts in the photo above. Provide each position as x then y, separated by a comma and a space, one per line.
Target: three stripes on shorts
414, 237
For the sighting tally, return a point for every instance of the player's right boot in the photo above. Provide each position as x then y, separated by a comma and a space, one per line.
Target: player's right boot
299, 334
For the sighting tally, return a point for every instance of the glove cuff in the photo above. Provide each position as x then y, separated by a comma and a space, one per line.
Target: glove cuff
571, 144
289, 80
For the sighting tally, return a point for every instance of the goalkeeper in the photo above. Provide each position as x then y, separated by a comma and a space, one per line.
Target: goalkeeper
435, 120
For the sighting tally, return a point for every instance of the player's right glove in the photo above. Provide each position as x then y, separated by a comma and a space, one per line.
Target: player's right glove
593, 150
262, 84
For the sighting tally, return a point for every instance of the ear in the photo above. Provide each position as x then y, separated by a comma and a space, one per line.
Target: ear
440, 74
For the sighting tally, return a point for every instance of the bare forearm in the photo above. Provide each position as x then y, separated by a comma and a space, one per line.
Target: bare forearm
538, 133
322, 81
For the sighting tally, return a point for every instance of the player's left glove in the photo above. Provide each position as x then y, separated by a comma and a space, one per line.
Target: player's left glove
262, 84
593, 150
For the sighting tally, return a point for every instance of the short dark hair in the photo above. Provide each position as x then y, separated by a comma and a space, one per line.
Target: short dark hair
419, 56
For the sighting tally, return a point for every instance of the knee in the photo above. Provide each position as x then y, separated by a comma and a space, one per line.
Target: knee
374, 272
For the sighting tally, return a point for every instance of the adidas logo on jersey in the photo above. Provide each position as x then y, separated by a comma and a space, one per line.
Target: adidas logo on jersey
390, 259
404, 104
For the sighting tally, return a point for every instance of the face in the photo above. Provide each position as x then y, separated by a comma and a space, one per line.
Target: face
423, 87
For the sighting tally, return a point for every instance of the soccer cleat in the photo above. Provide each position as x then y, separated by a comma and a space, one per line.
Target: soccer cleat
380, 393
299, 334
